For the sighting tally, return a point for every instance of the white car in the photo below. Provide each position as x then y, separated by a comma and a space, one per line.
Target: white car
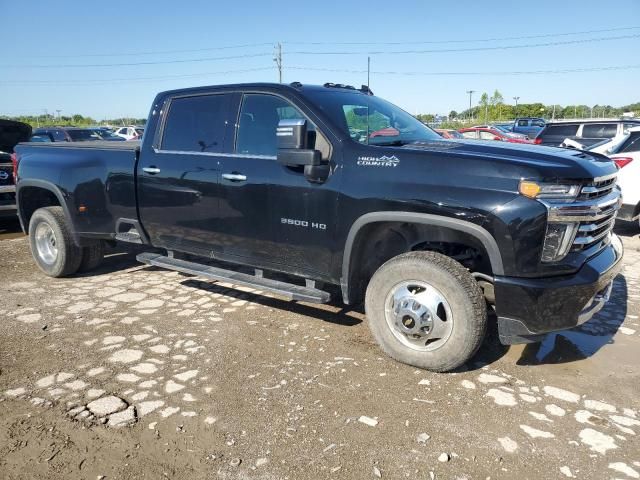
626, 153
130, 133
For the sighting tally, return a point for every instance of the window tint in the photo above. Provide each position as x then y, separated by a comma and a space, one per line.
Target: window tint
196, 124
259, 117
627, 126
562, 130
523, 123
632, 144
538, 123
599, 130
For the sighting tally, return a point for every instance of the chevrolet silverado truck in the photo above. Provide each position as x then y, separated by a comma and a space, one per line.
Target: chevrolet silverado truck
304, 191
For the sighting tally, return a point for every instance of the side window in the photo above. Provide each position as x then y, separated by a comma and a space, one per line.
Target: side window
538, 123
472, 134
259, 117
196, 124
599, 130
627, 126
632, 144
484, 135
523, 123
58, 135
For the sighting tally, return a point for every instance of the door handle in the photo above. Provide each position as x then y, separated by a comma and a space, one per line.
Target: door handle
151, 170
234, 177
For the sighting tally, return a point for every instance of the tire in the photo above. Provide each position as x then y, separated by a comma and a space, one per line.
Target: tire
92, 256
405, 297
52, 244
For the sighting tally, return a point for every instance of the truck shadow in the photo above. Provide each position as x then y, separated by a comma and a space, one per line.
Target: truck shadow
332, 312
584, 341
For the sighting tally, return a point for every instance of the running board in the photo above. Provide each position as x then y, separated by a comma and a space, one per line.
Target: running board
287, 290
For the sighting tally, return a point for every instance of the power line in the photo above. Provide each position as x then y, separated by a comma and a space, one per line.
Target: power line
157, 52
522, 72
469, 49
262, 44
107, 81
163, 62
380, 52
495, 39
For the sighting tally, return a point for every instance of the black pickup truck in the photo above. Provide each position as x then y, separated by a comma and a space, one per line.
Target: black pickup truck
306, 190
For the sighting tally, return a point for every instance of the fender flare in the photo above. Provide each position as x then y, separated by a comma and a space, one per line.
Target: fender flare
481, 234
51, 187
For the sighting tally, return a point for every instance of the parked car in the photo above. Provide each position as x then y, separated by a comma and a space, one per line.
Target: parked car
625, 152
11, 133
585, 132
502, 129
505, 127
270, 177
68, 134
130, 133
489, 133
529, 126
448, 133
106, 134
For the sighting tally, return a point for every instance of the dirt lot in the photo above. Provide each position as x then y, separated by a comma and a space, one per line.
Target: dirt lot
195, 380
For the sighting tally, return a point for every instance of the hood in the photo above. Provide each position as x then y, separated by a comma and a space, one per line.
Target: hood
548, 162
12, 133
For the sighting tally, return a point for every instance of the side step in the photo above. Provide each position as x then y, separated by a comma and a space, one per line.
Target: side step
132, 236
287, 290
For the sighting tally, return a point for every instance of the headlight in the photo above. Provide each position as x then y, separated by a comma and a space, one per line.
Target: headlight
532, 189
558, 240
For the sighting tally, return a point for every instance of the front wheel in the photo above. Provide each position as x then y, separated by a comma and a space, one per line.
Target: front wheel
51, 242
426, 310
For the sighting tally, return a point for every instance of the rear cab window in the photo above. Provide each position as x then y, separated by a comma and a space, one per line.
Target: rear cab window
566, 130
196, 123
599, 130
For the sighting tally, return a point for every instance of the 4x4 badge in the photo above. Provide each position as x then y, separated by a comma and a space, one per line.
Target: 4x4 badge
384, 161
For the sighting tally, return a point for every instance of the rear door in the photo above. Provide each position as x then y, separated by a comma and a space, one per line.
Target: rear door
270, 214
178, 180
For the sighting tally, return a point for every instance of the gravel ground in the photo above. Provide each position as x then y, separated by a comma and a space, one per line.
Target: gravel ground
135, 372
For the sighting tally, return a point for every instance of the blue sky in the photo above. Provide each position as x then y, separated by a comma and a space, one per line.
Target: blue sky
41, 39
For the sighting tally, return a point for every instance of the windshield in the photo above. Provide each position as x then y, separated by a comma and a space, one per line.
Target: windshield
370, 120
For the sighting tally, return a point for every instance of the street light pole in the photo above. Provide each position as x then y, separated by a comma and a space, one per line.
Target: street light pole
470, 92
516, 99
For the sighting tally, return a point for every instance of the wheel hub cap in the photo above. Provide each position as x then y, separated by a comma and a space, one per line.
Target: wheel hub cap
418, 315
46, 244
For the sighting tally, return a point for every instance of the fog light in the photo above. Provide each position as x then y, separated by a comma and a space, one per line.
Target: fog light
558, 240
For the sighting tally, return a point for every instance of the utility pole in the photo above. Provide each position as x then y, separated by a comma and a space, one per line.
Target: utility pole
575, 111
516, 99
368, 70
58, 112
278, 59
553, 115
470, 92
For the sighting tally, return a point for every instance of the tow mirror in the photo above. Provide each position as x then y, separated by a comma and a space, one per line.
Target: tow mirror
292, 144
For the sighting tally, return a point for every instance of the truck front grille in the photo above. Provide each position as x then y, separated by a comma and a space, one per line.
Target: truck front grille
594, 210
597, 189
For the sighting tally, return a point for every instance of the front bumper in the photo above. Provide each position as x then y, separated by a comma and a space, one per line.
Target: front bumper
528, 308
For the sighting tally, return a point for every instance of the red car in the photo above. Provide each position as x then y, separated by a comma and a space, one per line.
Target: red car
446, 133
487, 133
